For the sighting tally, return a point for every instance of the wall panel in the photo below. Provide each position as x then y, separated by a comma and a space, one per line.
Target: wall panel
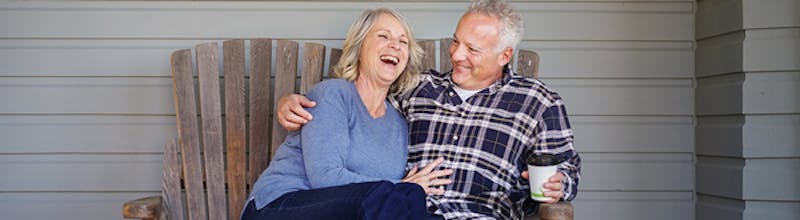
65, 205
634, 205
85, 133
90, 82
577, 20
80, 172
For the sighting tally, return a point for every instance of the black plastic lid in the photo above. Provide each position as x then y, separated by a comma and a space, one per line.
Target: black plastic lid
543, 159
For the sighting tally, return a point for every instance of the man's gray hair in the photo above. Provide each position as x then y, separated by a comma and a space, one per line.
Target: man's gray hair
511, 23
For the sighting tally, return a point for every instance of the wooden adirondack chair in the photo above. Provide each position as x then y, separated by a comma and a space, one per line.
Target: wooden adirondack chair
207, 172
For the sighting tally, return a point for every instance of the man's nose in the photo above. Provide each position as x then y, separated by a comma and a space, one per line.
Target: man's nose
458, 54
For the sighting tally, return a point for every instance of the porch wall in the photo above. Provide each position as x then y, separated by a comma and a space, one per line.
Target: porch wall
748, 109
87, 102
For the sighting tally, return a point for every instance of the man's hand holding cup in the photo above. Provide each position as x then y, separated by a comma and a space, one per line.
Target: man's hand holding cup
546, 183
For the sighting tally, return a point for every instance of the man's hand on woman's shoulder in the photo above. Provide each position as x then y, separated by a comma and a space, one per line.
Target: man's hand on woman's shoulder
291, 112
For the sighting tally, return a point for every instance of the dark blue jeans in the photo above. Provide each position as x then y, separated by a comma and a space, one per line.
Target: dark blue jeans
371, 200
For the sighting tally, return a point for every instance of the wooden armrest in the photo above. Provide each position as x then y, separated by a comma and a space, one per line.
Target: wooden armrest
555, 211
143, 208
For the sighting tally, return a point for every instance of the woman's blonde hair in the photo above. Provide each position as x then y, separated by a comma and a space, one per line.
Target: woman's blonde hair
348, 65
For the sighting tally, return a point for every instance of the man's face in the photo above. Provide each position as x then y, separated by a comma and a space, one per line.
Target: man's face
476, 61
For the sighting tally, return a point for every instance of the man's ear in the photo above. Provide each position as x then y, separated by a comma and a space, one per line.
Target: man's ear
505, 56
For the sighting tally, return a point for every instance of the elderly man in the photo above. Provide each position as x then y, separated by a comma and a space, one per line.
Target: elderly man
484, 119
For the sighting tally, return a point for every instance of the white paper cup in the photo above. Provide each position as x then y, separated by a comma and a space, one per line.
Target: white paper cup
538, 177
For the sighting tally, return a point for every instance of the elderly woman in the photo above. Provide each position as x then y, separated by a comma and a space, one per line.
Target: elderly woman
349, 162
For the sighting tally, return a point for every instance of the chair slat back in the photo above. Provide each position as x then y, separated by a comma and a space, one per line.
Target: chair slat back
429, 59
336, 53
313, 62
235, 128
171, 184
285, 76
185, 107
215, 177
444, 55
528, 63
260, 107
211, 119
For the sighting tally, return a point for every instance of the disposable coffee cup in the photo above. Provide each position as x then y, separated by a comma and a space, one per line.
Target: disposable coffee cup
540, 168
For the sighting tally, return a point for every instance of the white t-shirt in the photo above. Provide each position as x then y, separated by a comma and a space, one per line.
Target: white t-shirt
465, 94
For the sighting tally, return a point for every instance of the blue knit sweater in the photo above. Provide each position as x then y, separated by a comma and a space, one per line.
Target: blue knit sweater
342, 144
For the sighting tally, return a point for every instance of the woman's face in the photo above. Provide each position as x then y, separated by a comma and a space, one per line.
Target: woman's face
384, 52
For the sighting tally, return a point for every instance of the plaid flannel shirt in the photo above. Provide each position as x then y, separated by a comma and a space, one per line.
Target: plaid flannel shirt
486, 141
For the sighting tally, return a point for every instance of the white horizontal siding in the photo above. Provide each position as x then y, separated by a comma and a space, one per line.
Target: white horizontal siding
151, 95
784, 170
613, 59
85, 133
640, 134
745, 178
577, 20
611, 183
771, 136
148, 133
772, 93
105, 57
107, 205
80, 172
752, 93
712, 207
88, 57
637, 172
142, 172
755, 209
716, 17
625, 96
775, 14
757, 50
772, 50
102, 57
634, 205
751, 136
91, 80
719, 55
747, 109
99, 95
65, 205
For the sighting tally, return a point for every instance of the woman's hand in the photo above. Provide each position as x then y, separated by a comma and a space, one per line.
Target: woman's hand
428, 178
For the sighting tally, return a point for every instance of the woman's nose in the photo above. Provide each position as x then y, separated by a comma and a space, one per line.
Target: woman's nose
394, 45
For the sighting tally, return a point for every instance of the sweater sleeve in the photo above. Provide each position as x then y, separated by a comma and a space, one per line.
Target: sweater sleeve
325, 139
